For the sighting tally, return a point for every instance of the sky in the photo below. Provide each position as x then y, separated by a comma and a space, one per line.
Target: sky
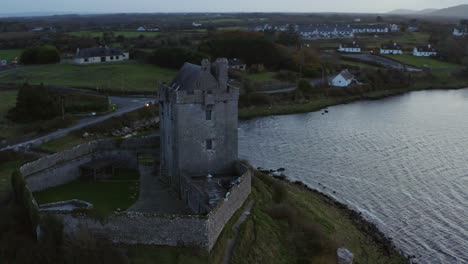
143, 6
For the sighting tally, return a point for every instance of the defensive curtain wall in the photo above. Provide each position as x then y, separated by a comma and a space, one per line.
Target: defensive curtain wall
134, 227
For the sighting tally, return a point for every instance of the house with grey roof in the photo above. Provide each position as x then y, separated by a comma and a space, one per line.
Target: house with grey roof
352, 47
391, 48
96, 55
237, 64
324, 31
424, 51
343, 79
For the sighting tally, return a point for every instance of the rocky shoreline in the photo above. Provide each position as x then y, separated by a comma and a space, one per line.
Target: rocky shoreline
364, 225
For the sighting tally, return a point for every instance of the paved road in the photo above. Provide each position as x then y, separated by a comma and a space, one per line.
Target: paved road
381, 60
124, 105
276, 91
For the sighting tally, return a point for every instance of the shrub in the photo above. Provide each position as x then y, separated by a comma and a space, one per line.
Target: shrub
279, 192
24, 199
175, 57
40, 55
34, 103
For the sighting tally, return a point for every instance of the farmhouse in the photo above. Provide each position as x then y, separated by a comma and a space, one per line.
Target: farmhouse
237, 64
394, 28
148, 29
97, 55
424, 51
392, 48
350, 47
343, 79
460, 32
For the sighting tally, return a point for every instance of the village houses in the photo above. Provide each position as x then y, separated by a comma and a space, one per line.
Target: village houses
237, 64
424, 51
460, 32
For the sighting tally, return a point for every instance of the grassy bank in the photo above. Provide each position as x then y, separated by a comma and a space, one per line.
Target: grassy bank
9, 162
434, 80
114, 76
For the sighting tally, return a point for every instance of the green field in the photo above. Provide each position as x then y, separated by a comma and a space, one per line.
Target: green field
7, 101
262, 77
426, 62
10, 54
115, 76
119, 192
127, 34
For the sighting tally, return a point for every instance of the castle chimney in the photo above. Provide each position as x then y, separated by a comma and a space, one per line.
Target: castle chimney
220, 71
206, 65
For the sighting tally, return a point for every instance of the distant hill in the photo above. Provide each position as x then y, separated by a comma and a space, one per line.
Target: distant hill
412, 12
460, 11
455, 11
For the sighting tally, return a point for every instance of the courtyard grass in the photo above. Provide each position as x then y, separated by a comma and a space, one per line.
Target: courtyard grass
128, 76
426, 62
107, 196
10, 54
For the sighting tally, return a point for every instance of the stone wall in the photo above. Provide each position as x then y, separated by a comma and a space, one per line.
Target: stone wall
63, 167
170, 230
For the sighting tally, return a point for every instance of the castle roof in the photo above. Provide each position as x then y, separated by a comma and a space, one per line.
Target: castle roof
186, 77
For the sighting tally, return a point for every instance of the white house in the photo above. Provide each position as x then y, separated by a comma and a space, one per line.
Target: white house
394, 28
237, 64
350, 47
3, 62
413, 28
392, 48
141, 29
460, 32
343, 79
424, 51
195, 24
97, 55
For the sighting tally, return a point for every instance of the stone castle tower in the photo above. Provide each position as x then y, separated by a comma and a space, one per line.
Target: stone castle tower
198, 125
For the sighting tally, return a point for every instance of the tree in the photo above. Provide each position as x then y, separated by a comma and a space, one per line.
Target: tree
175, 57
40, 55
34, 103
379, 19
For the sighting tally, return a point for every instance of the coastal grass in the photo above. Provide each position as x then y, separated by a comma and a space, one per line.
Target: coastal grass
128, 76
426, 62
10, 54
107, 196
302, 227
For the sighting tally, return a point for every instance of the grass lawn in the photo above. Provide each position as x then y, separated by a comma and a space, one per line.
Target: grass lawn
9, 54
121, 191
127, 34
7, 101
116, 76
63, 143
262, 77
423, 61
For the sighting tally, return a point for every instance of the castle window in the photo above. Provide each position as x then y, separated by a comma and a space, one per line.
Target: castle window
209, 112
209, 144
